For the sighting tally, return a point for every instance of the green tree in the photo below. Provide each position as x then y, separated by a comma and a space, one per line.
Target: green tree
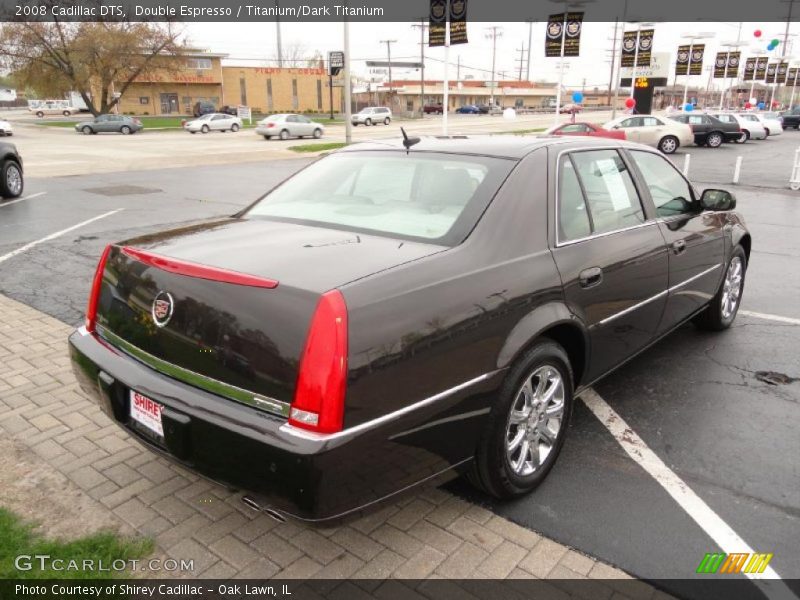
95, 59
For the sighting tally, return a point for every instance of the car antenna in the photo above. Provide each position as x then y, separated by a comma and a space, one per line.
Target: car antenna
407, 141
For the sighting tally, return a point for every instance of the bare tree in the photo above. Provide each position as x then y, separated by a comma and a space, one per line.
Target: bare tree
93, 58
294, 54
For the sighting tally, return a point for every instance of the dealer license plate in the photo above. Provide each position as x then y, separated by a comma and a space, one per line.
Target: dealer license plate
146, 412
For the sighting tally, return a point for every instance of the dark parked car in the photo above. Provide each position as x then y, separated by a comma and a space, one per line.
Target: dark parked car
11, 180
203, 108
468, 109
109, 124
435, 109
229, 110
383, 337
791, 118
710, 131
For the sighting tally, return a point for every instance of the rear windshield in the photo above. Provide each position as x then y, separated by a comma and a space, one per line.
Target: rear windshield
431, 197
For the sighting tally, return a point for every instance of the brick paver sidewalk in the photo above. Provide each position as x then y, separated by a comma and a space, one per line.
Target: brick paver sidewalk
431, 533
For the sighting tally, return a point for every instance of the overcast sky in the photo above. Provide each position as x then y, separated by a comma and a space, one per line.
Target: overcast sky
257, 40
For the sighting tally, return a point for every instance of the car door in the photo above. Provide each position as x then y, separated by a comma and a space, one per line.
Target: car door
632, 127
217, 122
695, 238
105, 123
610, 253
651, 130
293, 125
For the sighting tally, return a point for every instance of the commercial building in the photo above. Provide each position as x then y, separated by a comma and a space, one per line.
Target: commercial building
202, 77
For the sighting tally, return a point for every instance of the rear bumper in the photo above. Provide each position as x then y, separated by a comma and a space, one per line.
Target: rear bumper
300, 474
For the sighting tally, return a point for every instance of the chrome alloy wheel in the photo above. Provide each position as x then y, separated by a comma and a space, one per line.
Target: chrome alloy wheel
732, 288
535, 420
14, 179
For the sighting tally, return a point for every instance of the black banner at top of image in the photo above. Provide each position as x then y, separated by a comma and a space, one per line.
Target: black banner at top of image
732, 67
761, 68
720, 64
783, 68
645, 47
458, 22
749, 69
437, 25
791, 77
554, 35
572, 39
772, 72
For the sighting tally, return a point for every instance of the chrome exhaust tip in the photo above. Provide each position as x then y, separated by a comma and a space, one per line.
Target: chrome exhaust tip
253, 504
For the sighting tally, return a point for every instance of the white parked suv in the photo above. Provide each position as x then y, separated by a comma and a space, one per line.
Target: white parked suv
372, 115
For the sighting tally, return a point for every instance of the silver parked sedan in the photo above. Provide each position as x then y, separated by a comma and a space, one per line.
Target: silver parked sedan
213, 122
289, 125
109, 124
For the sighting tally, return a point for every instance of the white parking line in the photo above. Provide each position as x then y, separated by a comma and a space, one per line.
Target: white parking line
36, 195
769, 317
725, 537
53, 236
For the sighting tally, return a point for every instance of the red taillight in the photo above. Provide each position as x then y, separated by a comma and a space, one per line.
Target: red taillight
94, 295
321, 383
189, 269
270, 124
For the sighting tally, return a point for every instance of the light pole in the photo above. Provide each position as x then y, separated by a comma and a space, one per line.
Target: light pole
735, 45
493, 32
389, 58
639, 25
692, 37
422, 26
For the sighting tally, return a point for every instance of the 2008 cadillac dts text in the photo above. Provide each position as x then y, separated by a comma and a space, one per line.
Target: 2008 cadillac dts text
395, 314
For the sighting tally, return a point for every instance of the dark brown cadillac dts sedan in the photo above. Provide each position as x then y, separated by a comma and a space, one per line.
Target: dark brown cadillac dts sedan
390, 316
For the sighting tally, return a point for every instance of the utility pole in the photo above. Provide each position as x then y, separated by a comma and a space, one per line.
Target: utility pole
389, 55
521, 60
613, 65
458, 68
348, 125
493, 32
422, 25
530, 40
278, 34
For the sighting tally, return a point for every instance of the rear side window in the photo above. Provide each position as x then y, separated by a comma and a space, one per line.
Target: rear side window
573, 218
431, 197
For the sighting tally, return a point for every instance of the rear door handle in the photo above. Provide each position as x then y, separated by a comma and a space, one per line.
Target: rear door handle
591, 277
679, 247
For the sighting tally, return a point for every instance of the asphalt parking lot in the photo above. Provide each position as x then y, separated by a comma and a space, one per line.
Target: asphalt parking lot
696, 400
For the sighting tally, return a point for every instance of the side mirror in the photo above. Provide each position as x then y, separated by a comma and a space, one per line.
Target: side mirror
717, 200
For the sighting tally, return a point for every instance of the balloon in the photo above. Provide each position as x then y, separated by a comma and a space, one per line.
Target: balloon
753, 101
748, 106
761, 106
775, 42
509, 114
770, 47
577, 97
757, 33
688, 107
630, 103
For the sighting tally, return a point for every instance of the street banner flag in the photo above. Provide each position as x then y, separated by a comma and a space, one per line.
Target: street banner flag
682, 61
720, 64
645, 47
437, 26
698, 53
749, 69
458, 22
783, 68
554, 35
772, 71
572, 41
732, 70
791, 78
761, 68
628, 48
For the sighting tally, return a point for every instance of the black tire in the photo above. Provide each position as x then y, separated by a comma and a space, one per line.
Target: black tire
267, 137
714, 139
235, 127
125, 130
40, 114
368, 122
386, 121
668, 144
797, 126
66, 113
86, 130
492, 470
767, 130
11, 180
205, 129
284, 135
317, 133
714, 318
746, 136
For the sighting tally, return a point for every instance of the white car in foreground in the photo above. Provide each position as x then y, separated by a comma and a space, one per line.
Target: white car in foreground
770, 120
753, 129
213, 122
665, 134
6, 128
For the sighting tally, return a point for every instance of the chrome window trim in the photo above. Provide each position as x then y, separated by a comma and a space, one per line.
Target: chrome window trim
656, 297
373, 423
214, 386
559, 243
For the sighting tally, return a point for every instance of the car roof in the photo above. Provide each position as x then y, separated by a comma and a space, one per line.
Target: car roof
501, 146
